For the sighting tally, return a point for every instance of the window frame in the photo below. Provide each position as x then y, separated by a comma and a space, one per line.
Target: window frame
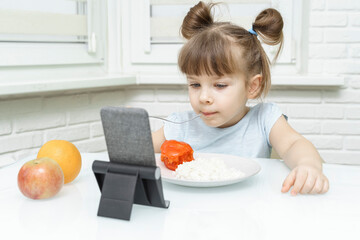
21, 76
44, 52
142, 53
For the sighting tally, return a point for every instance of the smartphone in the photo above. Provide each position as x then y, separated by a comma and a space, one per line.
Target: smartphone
128, 135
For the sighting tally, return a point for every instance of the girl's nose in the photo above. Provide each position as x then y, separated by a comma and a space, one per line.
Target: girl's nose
205, 97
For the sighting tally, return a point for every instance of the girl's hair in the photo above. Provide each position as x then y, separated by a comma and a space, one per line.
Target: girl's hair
219, 48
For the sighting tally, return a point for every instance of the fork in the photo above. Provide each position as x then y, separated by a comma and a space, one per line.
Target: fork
167, 120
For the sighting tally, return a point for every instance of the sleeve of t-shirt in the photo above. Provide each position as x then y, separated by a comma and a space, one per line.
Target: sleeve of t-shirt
173, 131
270, 113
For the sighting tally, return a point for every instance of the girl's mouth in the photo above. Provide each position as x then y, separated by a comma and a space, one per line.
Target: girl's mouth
207, 114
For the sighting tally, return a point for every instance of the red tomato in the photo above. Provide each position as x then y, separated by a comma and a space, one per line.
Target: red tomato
171, 165
174, 153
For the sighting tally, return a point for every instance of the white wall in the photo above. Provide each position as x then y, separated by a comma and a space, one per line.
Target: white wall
330, 118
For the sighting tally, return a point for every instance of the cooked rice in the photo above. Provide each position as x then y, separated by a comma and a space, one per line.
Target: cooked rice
206, 169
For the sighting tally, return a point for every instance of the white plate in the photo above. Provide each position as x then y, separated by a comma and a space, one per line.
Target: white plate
246, 165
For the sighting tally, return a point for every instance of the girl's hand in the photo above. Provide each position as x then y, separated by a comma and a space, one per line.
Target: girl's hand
306, 179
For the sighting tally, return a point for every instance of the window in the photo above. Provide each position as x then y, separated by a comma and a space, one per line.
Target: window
56, 45
155, 39
41, 32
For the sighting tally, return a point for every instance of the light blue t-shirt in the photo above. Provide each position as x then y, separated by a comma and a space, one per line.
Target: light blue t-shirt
248, 138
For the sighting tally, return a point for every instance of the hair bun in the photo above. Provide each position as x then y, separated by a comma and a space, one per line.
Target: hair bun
269, 24
198, 18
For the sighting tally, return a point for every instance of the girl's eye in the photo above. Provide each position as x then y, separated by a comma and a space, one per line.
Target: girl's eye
218, 85
194, 85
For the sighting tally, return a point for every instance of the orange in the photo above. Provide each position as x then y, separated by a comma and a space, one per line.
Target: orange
65, 154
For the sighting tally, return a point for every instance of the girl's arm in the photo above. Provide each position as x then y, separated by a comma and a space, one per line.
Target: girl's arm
301, 156
158, 139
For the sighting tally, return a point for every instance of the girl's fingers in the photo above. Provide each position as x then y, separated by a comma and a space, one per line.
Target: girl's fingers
289, 181
326, 186
304, 181
318, 186
309, 184
301, 177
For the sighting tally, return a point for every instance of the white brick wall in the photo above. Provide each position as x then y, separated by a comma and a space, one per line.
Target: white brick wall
330, 118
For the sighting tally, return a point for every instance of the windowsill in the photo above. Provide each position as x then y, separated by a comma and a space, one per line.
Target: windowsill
126, 80
66, 84
288, 81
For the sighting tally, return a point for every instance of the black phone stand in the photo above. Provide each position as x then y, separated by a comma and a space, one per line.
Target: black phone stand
122, 185
131, 176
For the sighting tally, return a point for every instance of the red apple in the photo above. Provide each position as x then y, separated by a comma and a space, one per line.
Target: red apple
40, 178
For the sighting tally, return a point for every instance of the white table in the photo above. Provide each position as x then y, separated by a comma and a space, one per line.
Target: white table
253, 209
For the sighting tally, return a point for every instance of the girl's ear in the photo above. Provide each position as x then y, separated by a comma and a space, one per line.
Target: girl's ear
254, 86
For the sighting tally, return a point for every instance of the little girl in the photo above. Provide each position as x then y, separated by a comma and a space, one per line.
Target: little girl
225, 65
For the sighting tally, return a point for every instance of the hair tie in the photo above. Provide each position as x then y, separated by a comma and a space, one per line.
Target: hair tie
253, 32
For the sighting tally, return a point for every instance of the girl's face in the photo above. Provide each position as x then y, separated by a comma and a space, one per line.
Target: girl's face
221, 101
